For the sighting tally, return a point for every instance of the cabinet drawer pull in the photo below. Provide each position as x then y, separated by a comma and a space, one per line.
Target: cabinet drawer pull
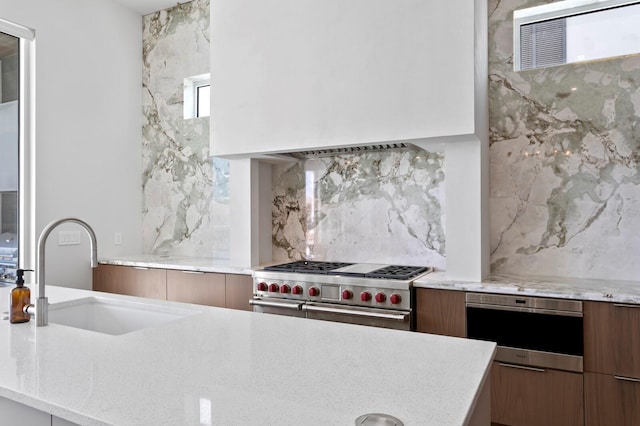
627, 379
193, 272
142, 268
626, 305
522, 367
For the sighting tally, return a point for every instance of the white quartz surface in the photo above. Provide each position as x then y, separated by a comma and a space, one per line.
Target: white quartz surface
565, 288
199, 264
229, 367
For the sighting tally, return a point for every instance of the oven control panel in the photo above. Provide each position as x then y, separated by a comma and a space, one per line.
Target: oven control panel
355, 295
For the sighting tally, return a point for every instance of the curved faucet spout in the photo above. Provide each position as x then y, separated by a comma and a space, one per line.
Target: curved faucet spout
42, 307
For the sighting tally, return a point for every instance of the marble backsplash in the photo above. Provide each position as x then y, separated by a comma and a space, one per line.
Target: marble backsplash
564, 170
185, 193
374, 207
564, 162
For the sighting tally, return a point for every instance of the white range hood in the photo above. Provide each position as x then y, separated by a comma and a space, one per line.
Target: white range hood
296, 75
303, 75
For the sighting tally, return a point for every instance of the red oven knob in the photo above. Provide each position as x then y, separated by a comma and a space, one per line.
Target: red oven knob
395, 299
262, 287
296, 289
347, 294
365, 296
273, 288
285, 288
313, 292
380, 297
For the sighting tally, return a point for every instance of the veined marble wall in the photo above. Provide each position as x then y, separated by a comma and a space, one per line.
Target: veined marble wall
385, 207
185, 193
565, 162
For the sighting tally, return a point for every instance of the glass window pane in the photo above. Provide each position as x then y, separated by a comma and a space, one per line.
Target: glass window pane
204, 106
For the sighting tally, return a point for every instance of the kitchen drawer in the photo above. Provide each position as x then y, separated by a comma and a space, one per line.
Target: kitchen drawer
132, 281
611, 400
203, 288
522, 396
612, 338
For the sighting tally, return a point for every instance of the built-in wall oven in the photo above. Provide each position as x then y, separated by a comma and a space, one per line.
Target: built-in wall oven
365, 294
530, 331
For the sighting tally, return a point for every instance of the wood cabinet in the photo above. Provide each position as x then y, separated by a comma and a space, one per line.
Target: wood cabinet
440, 312
132, 281
612, 338
239, 290
611, 400
202, 288
526, 396
612, 363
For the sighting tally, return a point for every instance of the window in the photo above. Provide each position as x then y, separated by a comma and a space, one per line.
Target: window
203, 100
571, 31
197, 96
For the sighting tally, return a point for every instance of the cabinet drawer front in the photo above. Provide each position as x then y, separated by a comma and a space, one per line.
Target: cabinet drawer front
612, 338
611, 400
203, 288
530, 396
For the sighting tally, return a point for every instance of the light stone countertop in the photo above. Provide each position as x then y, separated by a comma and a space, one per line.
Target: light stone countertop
238, 368
565, 288
183, 263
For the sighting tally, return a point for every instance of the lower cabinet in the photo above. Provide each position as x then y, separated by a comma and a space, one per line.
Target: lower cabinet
239, 290
132, 281
441, 312
611, 400
201, 288
526, 396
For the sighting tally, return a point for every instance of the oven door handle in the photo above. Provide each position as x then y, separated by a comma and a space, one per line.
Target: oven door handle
276, 304
357, 313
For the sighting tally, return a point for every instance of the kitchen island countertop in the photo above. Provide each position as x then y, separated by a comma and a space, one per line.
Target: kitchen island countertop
229, 367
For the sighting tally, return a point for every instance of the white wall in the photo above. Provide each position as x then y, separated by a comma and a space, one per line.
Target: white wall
88, 121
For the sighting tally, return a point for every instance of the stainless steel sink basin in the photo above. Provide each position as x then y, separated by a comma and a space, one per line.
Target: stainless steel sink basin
113, 316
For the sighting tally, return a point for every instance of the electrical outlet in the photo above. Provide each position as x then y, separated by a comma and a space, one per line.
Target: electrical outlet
117, 238
69, 238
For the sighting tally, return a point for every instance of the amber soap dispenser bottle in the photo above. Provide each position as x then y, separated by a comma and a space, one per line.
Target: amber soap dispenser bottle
20, 298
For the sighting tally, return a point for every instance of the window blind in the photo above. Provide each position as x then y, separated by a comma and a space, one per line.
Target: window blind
543, 44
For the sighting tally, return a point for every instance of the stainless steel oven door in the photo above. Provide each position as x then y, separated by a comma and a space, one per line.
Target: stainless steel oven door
385, 318
530, 331
270, 305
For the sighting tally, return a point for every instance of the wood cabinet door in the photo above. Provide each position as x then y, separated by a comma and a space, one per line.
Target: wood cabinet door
441, 312
612, 338
202, 288
130, 280
611, 400
523, 396
239, 289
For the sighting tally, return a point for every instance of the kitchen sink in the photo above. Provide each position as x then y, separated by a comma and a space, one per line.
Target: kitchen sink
113, 316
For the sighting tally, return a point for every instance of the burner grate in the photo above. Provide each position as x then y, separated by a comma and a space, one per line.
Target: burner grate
398, 272
307, 266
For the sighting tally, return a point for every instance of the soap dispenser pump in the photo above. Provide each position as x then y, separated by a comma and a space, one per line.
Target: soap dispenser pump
20, 298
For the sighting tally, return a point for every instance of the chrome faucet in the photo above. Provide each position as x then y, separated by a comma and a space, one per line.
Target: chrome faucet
42, 304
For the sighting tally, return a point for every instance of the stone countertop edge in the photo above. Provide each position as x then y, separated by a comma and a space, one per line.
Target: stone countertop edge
563, 288
214, 362
182, 263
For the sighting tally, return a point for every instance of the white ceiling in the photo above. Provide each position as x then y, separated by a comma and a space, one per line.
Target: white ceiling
144, 7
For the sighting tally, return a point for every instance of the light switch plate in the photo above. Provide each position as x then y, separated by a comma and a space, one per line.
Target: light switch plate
69, 238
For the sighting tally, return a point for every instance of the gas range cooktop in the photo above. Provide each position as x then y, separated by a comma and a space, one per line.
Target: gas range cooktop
363, 270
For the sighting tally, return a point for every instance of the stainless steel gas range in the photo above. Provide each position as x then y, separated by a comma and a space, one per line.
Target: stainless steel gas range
356, 293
